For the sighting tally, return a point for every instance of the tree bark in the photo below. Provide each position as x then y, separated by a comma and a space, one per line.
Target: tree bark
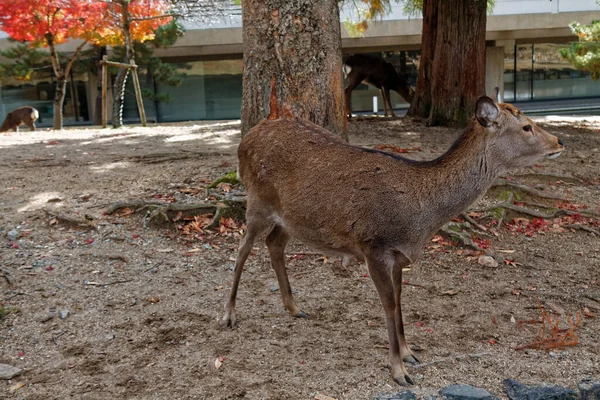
61, 85
59, 100
297, 46
452, 69
421, 104
61, 80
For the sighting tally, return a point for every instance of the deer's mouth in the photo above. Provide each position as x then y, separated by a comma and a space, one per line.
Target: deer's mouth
553, 155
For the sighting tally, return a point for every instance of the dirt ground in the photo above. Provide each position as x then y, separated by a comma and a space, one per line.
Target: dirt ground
140, 305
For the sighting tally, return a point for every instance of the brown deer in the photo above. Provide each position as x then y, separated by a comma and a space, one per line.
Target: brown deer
303, 181
379, 73
25, 115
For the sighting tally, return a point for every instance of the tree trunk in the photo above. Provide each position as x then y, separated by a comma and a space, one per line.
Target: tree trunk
97, 115
452, 69
421, 104
59, 100
121, 78
296, 45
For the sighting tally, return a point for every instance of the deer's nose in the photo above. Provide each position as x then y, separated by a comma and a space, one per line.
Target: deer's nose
561, 143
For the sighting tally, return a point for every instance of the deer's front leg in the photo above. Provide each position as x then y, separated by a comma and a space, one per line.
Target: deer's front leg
380, 270
405, 352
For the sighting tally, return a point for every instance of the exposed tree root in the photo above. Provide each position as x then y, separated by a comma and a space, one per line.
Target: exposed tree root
582, 228
551, 175
160, 212
524, 188
460, 231
539, 214
70, 221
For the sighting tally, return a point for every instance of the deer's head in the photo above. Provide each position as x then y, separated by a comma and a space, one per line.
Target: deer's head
513, 139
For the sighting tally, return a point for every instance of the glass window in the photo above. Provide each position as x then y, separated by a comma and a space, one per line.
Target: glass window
541, 73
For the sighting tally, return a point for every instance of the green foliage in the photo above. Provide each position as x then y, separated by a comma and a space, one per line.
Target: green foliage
366, 11
28, 63
230, 177
31, 63
585, 54
414, 8
166, 73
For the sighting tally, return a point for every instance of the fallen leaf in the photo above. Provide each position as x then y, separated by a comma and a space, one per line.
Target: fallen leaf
153, 300
218, 362
492, 341
588, 313
16, 386
320, 396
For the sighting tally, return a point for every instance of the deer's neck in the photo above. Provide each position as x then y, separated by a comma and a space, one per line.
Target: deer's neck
461, 175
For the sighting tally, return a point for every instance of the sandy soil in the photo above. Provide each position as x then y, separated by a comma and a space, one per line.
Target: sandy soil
143, 302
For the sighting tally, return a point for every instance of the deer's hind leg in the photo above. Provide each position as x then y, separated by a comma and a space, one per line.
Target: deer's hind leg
276, 241
387, 99
257, 223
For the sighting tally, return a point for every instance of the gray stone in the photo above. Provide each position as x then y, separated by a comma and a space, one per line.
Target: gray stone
13, 235
63, 314
9, 372
590, 390
46, 317
403, 395
465, 392
515, 390
487, 261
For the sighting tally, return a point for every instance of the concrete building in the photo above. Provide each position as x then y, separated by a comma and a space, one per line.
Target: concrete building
523, 38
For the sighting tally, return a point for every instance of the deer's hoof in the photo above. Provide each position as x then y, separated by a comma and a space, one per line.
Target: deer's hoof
228, 322
404, 380
301, 314
411, 359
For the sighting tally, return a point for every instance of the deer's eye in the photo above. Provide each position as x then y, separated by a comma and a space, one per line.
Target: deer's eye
528, 128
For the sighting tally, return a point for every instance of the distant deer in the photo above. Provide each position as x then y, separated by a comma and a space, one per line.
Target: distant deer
379, 73
25, 115
303, 181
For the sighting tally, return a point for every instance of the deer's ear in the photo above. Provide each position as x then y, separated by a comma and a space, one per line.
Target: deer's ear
486, 111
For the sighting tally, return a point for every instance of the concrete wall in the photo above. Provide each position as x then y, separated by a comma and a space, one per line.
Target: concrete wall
401, 34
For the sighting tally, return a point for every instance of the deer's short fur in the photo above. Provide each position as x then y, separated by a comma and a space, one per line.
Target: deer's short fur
379, 73
304, 182
25, 115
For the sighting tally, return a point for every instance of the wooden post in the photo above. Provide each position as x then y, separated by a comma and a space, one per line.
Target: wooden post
138, 93
104, 84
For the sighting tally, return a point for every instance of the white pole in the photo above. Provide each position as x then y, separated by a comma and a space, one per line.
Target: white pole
375, 108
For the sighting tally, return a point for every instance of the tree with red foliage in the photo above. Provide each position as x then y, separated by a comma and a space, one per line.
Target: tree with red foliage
48, 23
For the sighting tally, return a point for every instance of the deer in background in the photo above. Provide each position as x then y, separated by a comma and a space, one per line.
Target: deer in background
303, 181
25, 115
379, 73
